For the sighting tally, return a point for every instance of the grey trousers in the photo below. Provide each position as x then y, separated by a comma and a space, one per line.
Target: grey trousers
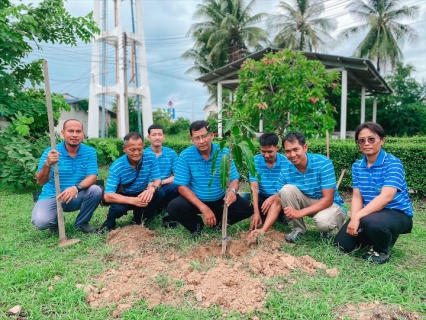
325, 220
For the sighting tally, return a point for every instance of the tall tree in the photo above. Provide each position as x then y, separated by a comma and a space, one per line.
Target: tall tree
385, 35
299, 26
227, 32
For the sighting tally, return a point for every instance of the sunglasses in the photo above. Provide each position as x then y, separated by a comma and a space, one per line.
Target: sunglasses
202, 137
370, 140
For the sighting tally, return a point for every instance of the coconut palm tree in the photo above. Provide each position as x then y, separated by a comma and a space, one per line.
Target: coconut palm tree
299, 26
227, 32
385, 35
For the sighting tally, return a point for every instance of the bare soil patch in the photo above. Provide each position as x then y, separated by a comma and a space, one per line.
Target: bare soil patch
161, 275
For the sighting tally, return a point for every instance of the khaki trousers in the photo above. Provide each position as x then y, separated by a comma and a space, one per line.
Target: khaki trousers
326, 220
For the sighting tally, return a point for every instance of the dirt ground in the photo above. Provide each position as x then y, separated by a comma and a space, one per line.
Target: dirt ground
151, 270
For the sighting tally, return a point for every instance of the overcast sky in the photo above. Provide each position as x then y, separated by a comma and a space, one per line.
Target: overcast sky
166, 23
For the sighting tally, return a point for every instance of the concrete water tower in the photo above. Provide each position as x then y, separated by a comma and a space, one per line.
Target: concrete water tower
131, 74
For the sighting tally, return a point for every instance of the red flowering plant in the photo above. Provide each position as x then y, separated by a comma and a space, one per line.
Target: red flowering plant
285, 89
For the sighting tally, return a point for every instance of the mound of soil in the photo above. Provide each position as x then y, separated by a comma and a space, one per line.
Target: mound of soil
161, 275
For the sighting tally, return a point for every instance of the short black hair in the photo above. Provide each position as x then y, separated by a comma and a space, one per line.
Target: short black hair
268, 139
132, 136
375, 127
155, 126
66, 121
294, 136
198, 125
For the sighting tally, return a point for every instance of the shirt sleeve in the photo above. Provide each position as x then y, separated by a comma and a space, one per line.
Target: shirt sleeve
113, 180
92, 165
354, 177
328, 176
395, 176
182, 173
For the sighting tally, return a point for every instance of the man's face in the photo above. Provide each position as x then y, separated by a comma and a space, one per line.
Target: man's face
295, 152
73, 133
134, 150
201, 139
156, 137
269, 153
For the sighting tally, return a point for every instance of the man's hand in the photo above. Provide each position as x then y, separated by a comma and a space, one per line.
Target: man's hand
146, 196
353, 226
292, 213
256, 221
267, 204
52, 157
136, 201
255, 232
68, 194
230, 197
209, 217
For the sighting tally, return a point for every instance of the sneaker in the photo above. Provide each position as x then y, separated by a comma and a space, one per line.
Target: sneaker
379, 257
368, 254
86, 228
103, 228
293, 236
325, 236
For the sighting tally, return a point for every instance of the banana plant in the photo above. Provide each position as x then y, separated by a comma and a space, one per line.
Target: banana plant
238, 135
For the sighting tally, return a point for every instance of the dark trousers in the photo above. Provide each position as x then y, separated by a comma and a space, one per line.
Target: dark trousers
183, 211
118, 210
171, 191
260, 201
380, 229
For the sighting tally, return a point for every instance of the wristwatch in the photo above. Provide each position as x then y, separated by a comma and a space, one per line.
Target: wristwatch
234, 191
79, 187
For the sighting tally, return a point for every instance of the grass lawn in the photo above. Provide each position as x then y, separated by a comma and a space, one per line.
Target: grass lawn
41, 277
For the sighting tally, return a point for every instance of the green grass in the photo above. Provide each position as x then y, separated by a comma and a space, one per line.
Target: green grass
30, 260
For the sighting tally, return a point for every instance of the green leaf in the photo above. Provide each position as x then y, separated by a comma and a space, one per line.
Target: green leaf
214, 159
250, 143
237, 156
224, 171
249, 159
229, 124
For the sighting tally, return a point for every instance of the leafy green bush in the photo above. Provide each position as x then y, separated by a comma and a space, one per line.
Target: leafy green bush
107, 150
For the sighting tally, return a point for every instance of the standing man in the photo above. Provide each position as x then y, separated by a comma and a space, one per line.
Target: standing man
200, 189
78, 170
268, 164
166, 158
309, 189
127, 185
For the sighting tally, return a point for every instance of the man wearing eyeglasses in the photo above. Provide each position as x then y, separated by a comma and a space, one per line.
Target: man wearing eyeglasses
127, 185
200, 189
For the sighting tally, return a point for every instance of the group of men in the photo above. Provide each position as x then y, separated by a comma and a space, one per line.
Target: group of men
148, 181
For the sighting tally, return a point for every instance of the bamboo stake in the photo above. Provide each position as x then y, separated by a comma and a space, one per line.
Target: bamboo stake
63, 241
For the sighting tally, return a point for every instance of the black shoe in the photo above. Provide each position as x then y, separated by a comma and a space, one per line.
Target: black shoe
86, 228
103, 228
170, 224
378, 257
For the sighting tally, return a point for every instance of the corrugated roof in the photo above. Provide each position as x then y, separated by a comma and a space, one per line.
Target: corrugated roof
361, 72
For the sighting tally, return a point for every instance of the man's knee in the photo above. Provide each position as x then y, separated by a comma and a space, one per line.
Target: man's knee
95, 191
42, 222
287, 190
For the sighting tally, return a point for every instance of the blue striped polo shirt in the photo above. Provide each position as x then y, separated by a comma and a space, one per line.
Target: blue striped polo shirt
71, 170
268, 176
166, 161
319, 175
194, 172
122, 172
387, 171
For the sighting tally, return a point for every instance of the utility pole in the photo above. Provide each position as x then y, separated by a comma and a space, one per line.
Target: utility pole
125, 94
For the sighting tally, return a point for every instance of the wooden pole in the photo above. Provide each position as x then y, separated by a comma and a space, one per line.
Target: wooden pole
225, 211
327, 136
61, 222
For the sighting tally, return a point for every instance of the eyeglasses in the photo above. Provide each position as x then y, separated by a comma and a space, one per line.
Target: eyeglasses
362, 141
202, 137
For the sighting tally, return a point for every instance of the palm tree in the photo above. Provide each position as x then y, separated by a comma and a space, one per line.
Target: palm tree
227, 32
385, 34
299, 26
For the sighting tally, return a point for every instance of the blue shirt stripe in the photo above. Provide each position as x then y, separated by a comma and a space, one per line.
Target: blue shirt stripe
194, 172
71, 170
387, 171
268, 176
319, 175
121, 172
166, 161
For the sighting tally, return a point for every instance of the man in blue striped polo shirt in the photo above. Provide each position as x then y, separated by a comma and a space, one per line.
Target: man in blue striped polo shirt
268, 165
167, 159
127, 185
309, 189
200, 189
78, 170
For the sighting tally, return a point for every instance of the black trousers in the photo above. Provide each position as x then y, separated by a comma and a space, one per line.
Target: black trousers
118, 210
183, 211
380, 229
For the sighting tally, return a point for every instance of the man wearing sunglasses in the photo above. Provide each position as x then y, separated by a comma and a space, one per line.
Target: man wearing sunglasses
200, 189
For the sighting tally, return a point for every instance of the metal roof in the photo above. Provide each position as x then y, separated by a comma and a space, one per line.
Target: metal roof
361, 72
